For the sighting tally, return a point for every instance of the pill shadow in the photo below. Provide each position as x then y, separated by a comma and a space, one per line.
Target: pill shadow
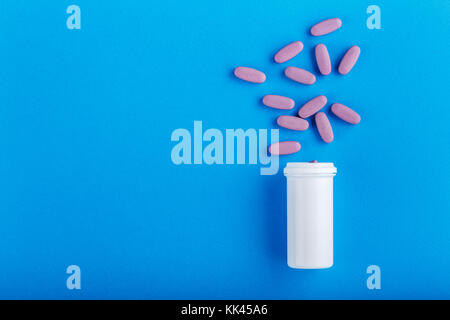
240, 82
293, 113
275, 124
331, 117
260, 103
312, 52
294, 85
271, 57
313, 126
338, 122
338, 59
233, 77
231, 74
271, 111
275, 217
334, 118
283, 75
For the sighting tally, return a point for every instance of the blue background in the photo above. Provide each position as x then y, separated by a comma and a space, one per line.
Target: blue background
86, 176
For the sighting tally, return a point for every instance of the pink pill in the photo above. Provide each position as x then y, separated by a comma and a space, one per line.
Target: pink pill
278, 102
324, 127
349, 60
250, 75
285, 147
323, 59
300, 75
288, 52
293, 123
314, 161
312, 106
345, 113
326, 26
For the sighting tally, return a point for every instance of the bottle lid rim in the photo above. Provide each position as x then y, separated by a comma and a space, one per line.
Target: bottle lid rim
309, 168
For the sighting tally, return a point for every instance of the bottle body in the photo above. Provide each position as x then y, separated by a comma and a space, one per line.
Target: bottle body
310, 215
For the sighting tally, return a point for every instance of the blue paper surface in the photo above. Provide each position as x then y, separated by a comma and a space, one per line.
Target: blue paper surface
86, 176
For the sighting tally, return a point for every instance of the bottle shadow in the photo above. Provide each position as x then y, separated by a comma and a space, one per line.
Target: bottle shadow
275, 216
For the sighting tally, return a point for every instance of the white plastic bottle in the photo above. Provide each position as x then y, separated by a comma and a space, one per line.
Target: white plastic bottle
310, 214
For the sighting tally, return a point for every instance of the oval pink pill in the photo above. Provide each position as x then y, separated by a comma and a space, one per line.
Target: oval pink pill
250, 75
324, 127
293, 123
349, 60
326, 27
284, 147
278, 102
300, 75
345, 113
312, 106
323, 59
288, 52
